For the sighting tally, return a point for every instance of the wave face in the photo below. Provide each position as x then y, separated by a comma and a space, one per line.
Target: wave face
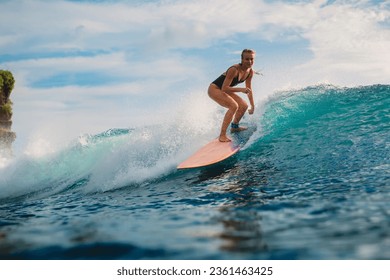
312, 182
327, 132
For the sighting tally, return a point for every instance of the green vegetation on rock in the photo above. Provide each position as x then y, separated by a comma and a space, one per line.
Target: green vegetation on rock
7, 83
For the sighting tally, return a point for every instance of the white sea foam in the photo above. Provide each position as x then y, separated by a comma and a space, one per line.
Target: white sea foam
113, 159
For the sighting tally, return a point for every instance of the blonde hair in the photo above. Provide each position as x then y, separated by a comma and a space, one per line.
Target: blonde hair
247, 51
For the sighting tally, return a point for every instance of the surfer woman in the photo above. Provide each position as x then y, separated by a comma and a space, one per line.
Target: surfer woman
223, 91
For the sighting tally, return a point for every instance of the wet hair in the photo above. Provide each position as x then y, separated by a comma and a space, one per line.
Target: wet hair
246, 51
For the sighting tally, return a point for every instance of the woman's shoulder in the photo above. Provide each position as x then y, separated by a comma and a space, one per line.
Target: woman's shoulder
233, 68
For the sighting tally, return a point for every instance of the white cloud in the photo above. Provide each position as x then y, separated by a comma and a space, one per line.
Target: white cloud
66, 25
117, 65
71, 24
348, 40
200, 23
349, 45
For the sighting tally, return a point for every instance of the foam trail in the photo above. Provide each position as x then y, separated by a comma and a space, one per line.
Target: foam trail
115, 158
152, 152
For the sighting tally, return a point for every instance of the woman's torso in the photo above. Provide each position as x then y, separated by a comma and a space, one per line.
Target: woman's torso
219, 81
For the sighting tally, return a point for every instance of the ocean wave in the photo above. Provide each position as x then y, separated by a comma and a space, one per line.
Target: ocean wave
313, 120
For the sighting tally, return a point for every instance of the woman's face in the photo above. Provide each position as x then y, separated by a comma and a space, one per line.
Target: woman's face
248, 59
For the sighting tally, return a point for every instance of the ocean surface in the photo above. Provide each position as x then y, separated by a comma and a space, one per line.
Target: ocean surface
311, 182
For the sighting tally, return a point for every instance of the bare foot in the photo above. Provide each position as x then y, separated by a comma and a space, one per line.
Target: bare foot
241, 128
224, 139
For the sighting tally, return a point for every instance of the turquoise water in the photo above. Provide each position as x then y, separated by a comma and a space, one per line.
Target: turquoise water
312, 182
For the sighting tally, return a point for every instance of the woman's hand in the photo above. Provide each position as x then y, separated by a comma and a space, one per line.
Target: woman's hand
246, 90
251, 110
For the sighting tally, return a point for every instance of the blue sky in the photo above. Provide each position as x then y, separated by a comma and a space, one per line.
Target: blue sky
103, 64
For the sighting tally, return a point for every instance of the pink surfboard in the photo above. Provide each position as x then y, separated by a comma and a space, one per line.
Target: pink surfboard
211, 153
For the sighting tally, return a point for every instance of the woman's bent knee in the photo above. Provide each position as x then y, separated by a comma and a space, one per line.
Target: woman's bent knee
233, 106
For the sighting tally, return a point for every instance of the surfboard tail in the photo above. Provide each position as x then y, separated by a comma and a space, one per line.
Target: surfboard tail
213, 152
